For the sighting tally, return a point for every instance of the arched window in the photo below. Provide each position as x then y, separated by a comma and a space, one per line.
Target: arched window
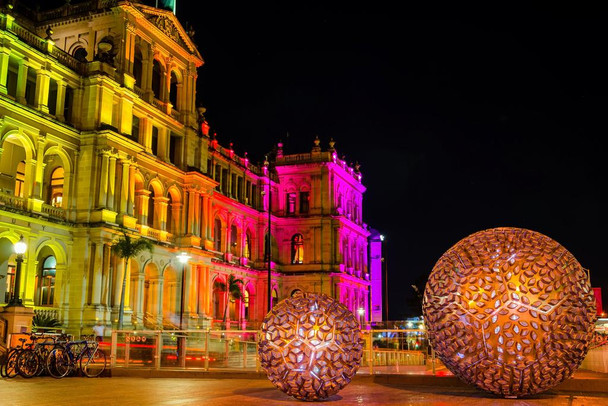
217, 234
246, 304
297, 249
233, 240
247, 248
156, 79
56, 189
274, 298
20, 179
173, 91
138, 67
295, 292
45, 283
80, 54
150, 221
217, 308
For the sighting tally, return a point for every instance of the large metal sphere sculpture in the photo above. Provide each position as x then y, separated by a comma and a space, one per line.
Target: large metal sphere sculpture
510, 311
310, 346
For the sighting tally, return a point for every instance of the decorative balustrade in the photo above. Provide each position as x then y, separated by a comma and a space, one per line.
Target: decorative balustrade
175, 114
52, 211
49, 312
158, 104
138, 91
14, 202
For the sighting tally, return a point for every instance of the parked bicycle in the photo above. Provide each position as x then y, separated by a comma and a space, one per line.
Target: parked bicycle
83, 354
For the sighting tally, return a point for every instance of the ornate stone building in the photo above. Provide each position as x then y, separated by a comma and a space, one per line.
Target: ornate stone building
99, 133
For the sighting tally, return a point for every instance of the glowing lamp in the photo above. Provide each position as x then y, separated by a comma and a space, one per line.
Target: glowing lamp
510, 311
183, 258
20, 246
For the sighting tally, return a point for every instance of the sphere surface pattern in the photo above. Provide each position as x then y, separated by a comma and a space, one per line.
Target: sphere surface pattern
310, 346
509, 310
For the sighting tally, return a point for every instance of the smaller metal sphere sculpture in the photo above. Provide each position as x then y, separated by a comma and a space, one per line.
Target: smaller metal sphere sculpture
509, 310
310, 346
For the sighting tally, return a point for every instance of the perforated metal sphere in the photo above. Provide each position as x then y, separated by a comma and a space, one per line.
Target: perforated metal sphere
510, 310
311, 346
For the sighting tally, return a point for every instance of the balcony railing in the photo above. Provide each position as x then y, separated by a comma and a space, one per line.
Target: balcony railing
14, 202
52, 211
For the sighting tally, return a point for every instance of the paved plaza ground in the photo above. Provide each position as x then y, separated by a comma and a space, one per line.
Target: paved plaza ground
242, 392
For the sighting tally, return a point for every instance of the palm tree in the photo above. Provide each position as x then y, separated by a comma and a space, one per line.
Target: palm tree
126, 248
233, 286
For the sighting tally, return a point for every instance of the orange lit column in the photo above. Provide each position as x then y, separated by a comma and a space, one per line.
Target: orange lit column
160, 211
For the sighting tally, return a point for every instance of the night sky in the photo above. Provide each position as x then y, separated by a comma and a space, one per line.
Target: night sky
458, 126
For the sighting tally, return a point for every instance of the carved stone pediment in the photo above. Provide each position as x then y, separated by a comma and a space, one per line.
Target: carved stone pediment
169, 25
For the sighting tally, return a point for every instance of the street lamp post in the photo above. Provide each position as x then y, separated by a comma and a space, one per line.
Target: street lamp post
361, 312
183, 259
20, 248
269, 243
181, 339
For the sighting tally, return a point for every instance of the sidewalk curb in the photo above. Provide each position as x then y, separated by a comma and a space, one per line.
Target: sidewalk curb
591, 384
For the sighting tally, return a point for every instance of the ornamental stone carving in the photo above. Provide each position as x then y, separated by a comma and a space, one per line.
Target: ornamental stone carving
510, 310
310, 346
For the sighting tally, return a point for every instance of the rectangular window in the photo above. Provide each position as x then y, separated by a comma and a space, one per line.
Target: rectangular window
135, 129
69, 104
248, 192
239, 189
174, 149
52, 103
304, 202
290, 203
254, 196
209, 168
30, 87
225, 181
233, 186
11, 78
154, 143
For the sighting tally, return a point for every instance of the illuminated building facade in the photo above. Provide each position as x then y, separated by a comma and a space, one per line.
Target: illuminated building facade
99, 133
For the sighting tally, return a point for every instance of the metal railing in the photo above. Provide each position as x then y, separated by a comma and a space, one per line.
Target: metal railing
386, 351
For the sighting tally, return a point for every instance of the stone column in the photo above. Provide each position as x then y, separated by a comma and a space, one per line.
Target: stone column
61, 86
39, 177
131, 196
106, 278
96, 275
43, 82
204, 219
103, 180
111, 182
160, 212
4, 62
22, 80
124, 187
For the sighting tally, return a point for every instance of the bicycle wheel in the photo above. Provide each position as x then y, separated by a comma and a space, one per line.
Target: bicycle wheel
5, 363
27, 364
11, 364
93, 362
58, 363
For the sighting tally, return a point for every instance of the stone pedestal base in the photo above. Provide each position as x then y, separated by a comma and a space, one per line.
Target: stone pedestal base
18, 320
